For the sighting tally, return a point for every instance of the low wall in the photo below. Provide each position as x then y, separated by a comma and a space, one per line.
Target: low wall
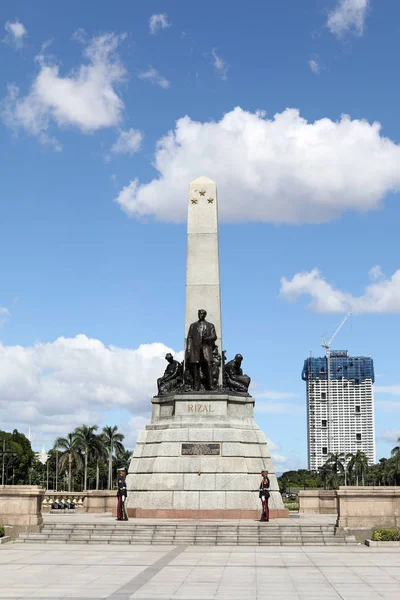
322, 502
357, 507
367, 507
20, 507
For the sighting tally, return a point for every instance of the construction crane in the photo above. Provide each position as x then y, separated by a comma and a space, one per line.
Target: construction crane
327, 346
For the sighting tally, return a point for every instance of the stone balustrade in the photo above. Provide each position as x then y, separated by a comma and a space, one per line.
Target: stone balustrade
91, 501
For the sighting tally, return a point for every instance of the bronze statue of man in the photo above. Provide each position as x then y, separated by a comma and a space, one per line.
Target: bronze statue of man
199, 350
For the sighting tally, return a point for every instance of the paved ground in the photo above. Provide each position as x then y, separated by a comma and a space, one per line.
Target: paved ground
198, 572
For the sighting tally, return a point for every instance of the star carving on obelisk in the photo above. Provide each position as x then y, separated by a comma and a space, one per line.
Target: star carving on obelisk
210, 200
202, 193
194, 200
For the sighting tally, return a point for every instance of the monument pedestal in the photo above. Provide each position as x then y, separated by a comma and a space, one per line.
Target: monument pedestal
201, 457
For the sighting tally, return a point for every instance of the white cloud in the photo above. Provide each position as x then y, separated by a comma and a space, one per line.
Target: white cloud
16, 32
278, 408
271, 395
383, 296
348, 17
220, 65
277, 459
4, 315
281, 170
128, 142
58, 385
157, 22
388, 406
390, 435
85, 99
393, 390
376, 273
154, 77
314, 66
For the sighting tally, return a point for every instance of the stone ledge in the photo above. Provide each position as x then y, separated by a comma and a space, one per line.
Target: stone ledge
144, 513
5, 539
373, 544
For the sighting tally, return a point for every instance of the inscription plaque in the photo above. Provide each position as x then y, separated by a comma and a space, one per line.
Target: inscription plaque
199, 448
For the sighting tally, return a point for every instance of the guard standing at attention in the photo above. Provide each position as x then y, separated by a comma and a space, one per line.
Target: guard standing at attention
264, 495
121, 495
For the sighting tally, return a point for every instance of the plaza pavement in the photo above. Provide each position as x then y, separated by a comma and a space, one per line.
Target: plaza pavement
198, 572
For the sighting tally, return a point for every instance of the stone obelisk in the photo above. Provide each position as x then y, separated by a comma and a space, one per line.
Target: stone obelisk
202, 265
202, 452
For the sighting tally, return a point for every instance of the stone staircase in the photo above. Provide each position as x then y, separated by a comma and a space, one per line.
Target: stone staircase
186, 533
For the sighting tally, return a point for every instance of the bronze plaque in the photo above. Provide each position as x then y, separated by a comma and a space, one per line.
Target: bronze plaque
201, 448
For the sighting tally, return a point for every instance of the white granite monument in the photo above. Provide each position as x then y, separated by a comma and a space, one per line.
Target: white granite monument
202, 453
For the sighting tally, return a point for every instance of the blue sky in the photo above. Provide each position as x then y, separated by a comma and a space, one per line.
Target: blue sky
107, 113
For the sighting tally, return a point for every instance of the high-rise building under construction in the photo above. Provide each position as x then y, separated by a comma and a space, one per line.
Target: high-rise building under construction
340, 406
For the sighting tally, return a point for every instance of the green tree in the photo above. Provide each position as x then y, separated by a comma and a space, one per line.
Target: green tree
113, 443
100, 455
124, 459
396, 449
69, 454
358, 466
396, 461
17, 465
336, 463
298, 479
90, 444
325, 472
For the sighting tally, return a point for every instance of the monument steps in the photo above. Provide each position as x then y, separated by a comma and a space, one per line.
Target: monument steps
217, 534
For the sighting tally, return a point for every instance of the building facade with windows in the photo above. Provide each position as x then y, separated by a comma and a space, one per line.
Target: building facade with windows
340, 406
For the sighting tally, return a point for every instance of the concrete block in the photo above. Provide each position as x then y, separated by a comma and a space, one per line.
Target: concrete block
200, 434
223, 464
156, 481
193, 481
238, 449
242, 500
199, 409
186, 500
163, 449
237, 481
158, 500
168, 435
212, 500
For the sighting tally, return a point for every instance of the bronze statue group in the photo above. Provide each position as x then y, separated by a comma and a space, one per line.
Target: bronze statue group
200, 371
201, 368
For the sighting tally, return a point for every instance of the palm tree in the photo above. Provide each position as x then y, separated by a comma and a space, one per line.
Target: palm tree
124, 458
358, 465
113, 442
69, 448
396, 449
335, 462
347, 458
396, 460
325, 473
99, 454
89, 443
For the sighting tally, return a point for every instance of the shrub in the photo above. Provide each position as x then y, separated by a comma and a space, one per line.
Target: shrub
291, 505
386, 535
1, 531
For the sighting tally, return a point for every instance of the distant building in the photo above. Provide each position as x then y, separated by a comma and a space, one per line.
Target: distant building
341, 418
